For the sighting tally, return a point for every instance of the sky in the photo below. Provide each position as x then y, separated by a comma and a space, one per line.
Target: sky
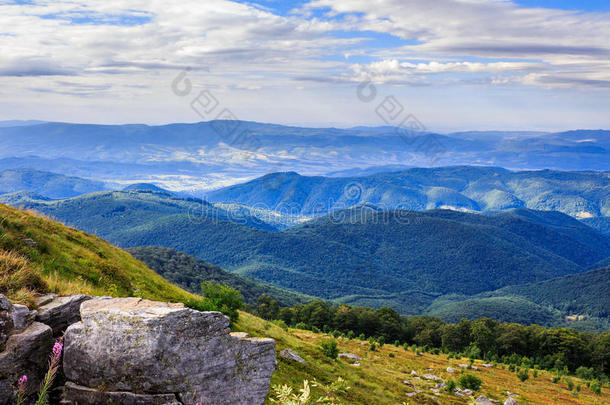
452, 64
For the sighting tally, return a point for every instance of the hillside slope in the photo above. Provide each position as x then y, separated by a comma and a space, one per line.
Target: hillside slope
188, 272
38, 255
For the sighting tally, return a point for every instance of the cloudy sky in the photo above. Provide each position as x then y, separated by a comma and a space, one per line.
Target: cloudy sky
454, 64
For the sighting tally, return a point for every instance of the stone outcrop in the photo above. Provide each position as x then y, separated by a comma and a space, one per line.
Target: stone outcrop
141, 350
350, 357
60, 312
291, 355
24, 351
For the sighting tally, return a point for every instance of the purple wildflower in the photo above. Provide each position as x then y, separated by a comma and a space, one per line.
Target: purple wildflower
57, 348
23, 381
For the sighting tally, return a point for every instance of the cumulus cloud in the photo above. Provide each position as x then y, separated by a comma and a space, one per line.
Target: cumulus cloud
124, 48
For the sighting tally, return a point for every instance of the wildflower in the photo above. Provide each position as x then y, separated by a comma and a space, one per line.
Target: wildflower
57, 349
21, 386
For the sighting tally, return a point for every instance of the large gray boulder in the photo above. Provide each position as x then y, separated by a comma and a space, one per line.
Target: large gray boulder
131, 345
25, 353
60, 312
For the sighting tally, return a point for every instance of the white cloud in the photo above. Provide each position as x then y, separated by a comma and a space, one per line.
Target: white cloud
119, 54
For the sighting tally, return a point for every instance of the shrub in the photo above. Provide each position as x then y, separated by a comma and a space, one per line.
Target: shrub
329, 348
450, 385
596, 387
381, 341
535, 373
585, 373
226, 299
280, 323
511, 368
373, 347
469, 381
301, 325
397, 343
523, 375
361, 336
315, 329
391, 355
570, 383
350, 334
336, 333
405, 346
555, 379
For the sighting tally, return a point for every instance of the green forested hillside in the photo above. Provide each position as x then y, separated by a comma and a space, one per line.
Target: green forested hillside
188, 272
50, 185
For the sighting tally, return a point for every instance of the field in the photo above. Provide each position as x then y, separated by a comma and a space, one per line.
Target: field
379, 378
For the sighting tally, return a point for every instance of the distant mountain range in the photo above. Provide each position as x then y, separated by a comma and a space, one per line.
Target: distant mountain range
583, 195
209, 155
46, 184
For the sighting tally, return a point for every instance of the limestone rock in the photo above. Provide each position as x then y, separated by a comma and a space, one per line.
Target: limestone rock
76, 394
450, 370
291, 355
22, 317
6, 320
349, 357
511, 401
432, 377
25, 353
135, 345
482, 400
61, 312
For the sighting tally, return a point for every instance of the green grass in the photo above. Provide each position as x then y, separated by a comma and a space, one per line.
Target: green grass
38, 255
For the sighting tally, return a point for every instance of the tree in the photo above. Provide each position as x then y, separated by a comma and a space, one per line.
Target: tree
329, 348
268, 308
226, 299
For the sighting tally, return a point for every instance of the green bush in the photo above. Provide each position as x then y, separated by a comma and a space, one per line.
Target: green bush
226, 299
301, 325
329, 348
523, 375
469, 381
555, 379
570, 383
596, 387
450, 388
280, 323
391, 355
373, 347
586, 373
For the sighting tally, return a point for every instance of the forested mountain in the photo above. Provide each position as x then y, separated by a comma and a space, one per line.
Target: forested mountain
188, 272
47, 184
361, 256
485, 189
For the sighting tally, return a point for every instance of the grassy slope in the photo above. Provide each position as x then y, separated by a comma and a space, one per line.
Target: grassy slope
379, 379
67, 261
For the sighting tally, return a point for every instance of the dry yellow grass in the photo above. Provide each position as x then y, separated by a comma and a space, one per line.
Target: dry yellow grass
379, 378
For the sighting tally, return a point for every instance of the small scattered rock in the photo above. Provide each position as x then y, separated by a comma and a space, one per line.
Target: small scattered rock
487, 365
432, 377
462, 392
356, 364
511, 401
441, 385
463, 365
450, 370
417, 378
349, 357
411, 394
413, 372
407, 383
30, 242
482, 400
288, 354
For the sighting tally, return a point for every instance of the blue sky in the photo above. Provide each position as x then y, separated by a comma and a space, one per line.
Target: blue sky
462, 64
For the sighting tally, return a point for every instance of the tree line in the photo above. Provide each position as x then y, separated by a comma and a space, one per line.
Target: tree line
560, 349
